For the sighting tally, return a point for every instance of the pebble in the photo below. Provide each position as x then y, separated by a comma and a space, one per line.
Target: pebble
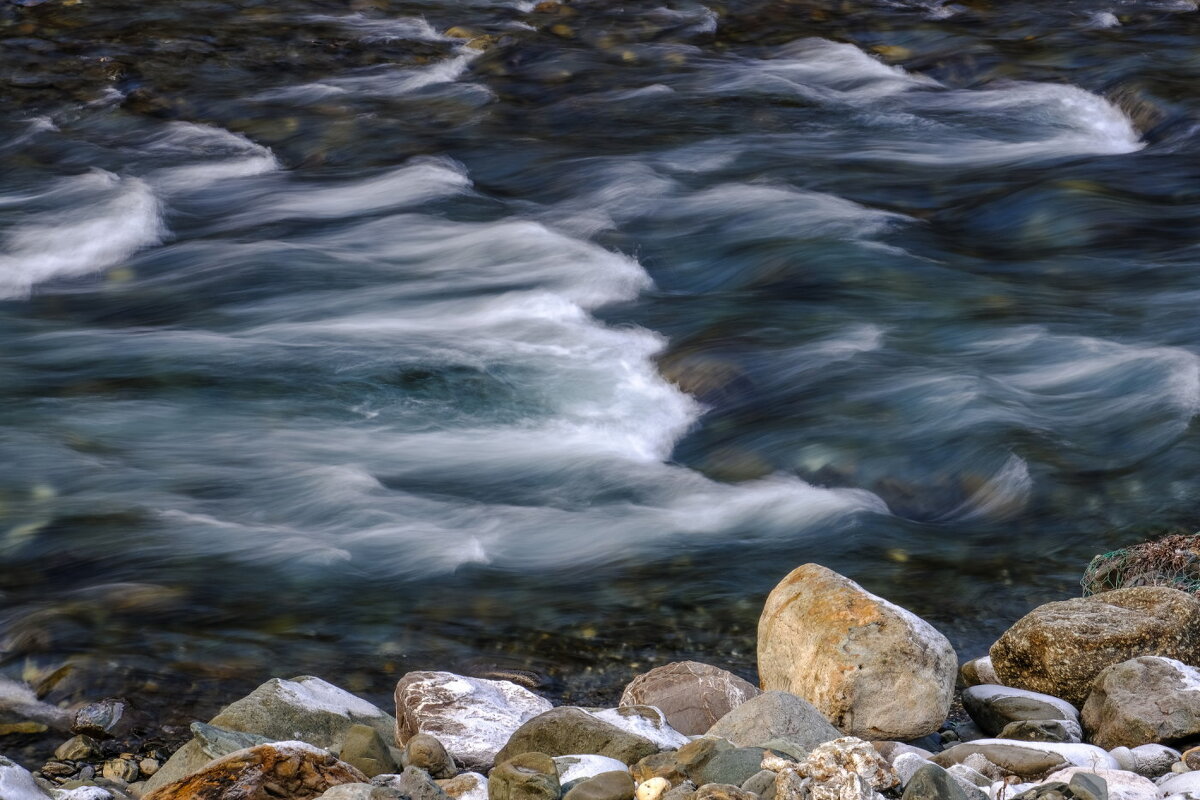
652, 789
77, 748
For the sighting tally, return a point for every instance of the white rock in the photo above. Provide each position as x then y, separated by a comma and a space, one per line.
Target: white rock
986, 692
652, 789
1152, 760
82, 793
473, 718
962, 772
574, 767
349, 791
1122, 785
476, 786
645, 721
985, 671
1124, 757
906, 765
1187, 783
17, 784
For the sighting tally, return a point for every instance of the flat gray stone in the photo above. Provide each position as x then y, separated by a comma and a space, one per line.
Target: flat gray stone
774, 715
931, 782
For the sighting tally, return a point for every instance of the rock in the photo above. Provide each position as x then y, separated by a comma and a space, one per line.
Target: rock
1190, 757
567, 730
217, 742
427, 752
964, 774
659, 765
1150, 699
1088, 786
124, 770
472, 717
360, 791
931, 782
1042, 730
1119, 785
690, 759
295, 770
834, 762
774, 715
645, 721
906, 765
77, 748
528, 776
605, 786
1059, 648
305, 709
580, 767
104, 719
652, 789
414, 783
978, 763
365, 750
1026, 759
978, 671
733, 766
993, 707
893, 750
761, 783
722, 791
466, 786
148, 766
692, 696
1187, 783
793, 748
872, 668
16, 783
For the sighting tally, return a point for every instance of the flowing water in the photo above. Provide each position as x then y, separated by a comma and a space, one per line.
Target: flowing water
479, 335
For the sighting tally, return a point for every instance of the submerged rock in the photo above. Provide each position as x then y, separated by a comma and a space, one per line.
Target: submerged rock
1145, 700
872, 668
472, 717
1059, 648
295, 770
692, 695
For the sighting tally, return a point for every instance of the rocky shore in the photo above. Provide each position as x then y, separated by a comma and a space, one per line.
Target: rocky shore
1092, 698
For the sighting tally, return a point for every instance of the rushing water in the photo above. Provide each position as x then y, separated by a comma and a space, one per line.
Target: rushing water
341, 339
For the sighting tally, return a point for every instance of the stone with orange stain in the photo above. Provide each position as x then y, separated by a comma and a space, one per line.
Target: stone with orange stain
292, 770
875, 670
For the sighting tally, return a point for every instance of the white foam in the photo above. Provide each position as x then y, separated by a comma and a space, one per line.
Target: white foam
79, 241
383, 30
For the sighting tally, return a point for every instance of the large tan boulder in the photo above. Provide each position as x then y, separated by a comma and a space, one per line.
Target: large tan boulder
1146, 700
874, 670
1059, 648
295, 770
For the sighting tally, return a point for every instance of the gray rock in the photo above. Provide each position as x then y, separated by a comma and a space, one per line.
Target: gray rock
761, 783
472, 717
1059, 648
1150, 699
962, 772
1119, 784
1089, 786
568, 730
217, 742
1042, 730
414, 783
528, 776
305, 709
693, 696
993, 707
931, 782
906, 765
77, 748
605, 786
827, 639
360, 791
365, 749
103, 719
733, 766
774, 715
427, 752
790, 747
1027, 759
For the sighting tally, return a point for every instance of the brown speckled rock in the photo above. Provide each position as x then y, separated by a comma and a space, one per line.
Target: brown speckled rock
294, 770
1146, 700
872, 668
1059, 648
692, 696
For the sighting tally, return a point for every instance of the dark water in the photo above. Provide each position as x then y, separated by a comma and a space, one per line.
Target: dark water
336, 343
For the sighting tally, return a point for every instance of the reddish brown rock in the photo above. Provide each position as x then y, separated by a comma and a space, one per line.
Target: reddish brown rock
292, 770
1059, 648
691, 695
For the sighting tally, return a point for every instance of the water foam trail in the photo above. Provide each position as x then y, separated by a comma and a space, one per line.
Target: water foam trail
123, 217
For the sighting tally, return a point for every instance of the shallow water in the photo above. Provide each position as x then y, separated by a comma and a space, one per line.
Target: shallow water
334, 343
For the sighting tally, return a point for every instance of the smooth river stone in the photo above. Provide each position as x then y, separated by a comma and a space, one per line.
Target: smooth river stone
692, 695
992, 707
775, 715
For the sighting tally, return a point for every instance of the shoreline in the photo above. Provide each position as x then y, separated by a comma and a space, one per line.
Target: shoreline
840, 669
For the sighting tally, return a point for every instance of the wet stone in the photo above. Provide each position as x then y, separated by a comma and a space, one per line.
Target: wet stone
1088, 787
605, 786
77, 748
931, 782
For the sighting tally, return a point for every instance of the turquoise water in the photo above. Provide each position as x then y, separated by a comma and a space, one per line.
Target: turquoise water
337, 343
